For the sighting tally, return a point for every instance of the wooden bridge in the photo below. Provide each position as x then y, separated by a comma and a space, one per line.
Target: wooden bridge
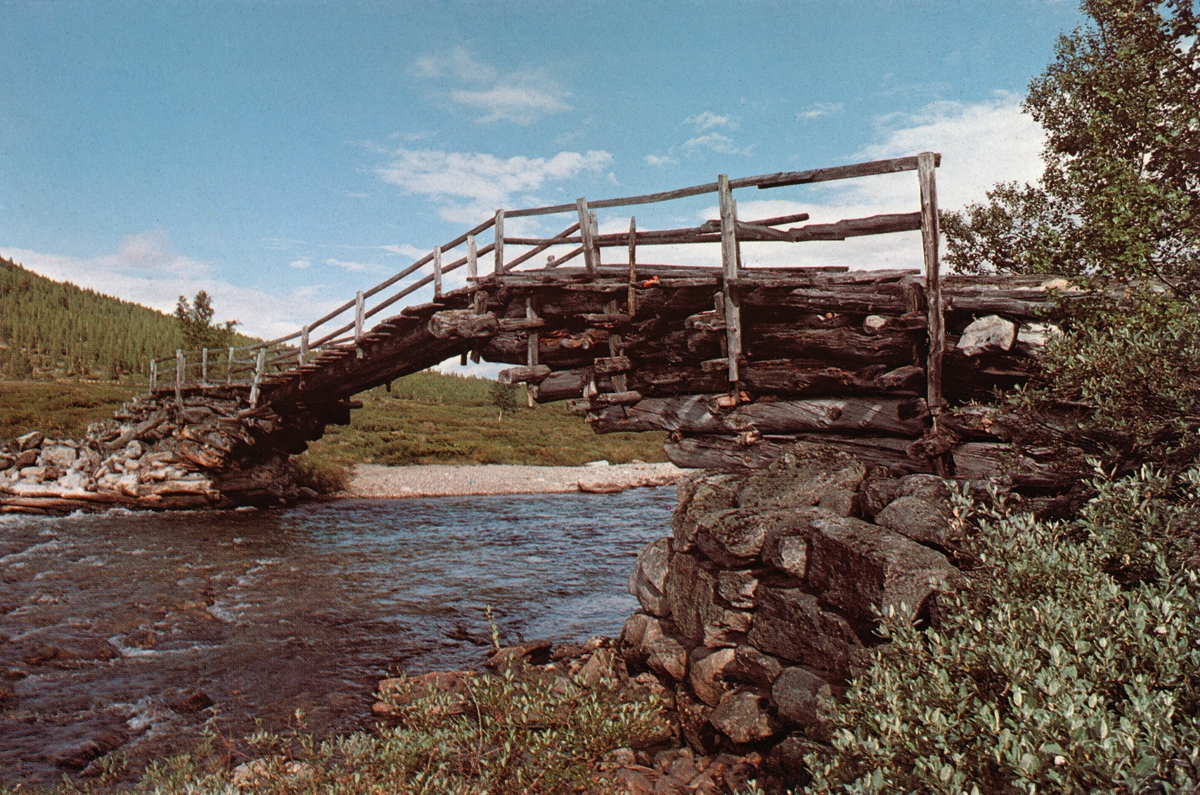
733, 361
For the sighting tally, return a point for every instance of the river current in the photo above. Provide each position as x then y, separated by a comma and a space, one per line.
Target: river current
264, 613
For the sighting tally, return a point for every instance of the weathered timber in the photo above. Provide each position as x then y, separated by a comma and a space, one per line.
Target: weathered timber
564, 385
613, 364
524, 375
464, 324
700, 414
837, 344
859, 299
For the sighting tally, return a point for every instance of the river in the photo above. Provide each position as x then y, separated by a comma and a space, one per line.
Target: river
264, 613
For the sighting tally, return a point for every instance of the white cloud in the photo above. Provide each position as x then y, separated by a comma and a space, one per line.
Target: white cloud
132, 275
486, 181
708, 120
406, 250
664, 160
356, 267
300, 263
818, 110
520, 97
715, 142
981, 144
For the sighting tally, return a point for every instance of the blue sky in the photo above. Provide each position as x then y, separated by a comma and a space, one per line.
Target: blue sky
283, 154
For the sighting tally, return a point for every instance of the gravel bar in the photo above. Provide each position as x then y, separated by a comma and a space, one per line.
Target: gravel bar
437, 480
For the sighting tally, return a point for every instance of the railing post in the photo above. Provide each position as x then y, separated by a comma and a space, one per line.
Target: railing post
729, 265
926, 163
531, 353
585, 236
153, 374
303, 345
229, 367
632, 300
358, 317
499, 227
180, 366
472, 258
437, 272
259, 364
204, 365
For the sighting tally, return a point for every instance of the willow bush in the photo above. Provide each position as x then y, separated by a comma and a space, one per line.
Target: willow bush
1070, 665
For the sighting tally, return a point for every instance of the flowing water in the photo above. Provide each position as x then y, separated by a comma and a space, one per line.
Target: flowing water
268, 612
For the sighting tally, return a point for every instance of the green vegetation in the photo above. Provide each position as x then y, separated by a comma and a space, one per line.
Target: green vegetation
1117, 207
505, 734
52, 330
61, 409
436, 418
1070, 662
196, 326
1071, 666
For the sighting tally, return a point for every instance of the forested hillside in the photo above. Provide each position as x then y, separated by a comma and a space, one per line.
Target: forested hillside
52, 329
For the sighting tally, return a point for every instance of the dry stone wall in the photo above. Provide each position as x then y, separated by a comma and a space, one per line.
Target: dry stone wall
206, 447
762, 604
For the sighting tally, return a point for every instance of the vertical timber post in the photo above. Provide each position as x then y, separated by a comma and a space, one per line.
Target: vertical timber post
303, 345
531, 356
204, 365
229, 367
631, 301
595, 222
499, 251
585, 236
926, 163
180, 366
259, 364
472, 258
729, 268
153, 374
437, 273
359, 316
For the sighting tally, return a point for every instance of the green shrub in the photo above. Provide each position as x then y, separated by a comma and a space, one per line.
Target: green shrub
507, 735
1049, 674
320, 474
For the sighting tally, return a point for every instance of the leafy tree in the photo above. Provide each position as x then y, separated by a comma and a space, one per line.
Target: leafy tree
196, 326
504, 397
1118, 205
1120, 195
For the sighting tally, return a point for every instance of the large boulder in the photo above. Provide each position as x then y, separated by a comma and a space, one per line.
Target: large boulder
990, 334
646, 640
921, 510
860, 568
744, 716
805, 475
735, 537
738, 587
707, 673
57, 455
806, 699
648, 581
790, 623
698, 496
753, 667
698, 612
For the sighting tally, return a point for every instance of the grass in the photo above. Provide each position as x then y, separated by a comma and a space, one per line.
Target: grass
427, 418
434, 418
57, 408
507, 734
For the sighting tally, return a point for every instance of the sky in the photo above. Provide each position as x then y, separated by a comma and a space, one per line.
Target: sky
282, 155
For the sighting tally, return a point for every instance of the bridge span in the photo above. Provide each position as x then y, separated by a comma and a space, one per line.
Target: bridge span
733, 361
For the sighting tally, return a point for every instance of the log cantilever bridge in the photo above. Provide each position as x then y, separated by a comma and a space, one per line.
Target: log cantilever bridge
733, 361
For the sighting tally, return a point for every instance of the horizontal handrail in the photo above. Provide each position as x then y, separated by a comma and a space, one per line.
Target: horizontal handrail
227, 365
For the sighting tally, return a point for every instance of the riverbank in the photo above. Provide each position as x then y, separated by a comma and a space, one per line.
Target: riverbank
436, 480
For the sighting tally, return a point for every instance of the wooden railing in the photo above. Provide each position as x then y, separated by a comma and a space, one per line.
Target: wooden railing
345, 326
